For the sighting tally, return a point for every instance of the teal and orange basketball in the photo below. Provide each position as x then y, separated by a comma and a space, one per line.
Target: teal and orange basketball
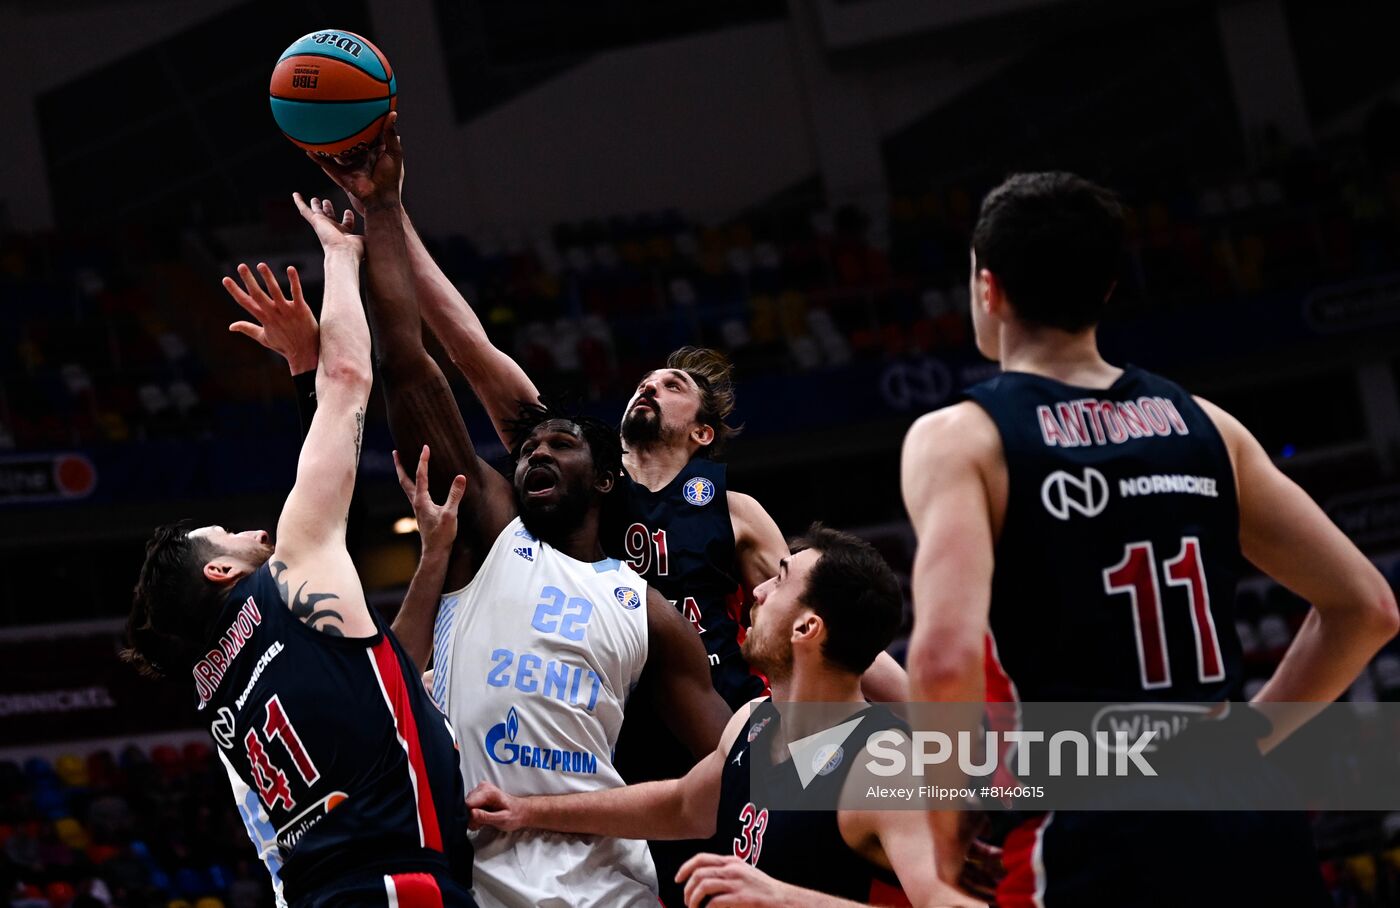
331, 91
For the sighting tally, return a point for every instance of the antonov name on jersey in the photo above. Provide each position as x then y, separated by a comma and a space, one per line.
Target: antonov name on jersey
209, 671
1081, 423
501, 747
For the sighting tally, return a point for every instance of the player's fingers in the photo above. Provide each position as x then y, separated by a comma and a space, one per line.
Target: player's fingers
274, 289
294, 278
347, 220
255, 290
421, 477
327, 208
455, 493
391, 135
703, 859
404, 482
250, 330
241, 297
704, 883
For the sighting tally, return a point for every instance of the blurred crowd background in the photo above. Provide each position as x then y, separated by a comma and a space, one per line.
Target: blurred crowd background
790, 181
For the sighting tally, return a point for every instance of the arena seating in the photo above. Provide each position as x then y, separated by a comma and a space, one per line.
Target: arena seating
100, 348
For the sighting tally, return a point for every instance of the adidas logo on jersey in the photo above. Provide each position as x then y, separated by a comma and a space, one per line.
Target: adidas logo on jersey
526, 552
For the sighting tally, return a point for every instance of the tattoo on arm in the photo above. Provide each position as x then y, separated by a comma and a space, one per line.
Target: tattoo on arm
359, 432
304, 604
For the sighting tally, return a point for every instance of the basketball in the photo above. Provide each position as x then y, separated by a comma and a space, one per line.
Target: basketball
331, 91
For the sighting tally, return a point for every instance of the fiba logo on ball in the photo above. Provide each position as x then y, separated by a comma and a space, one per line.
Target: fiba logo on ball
627, 597
1063, 492
699, 491
331, 91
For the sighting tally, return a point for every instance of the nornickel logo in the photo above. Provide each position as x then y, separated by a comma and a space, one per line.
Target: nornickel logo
1063, 492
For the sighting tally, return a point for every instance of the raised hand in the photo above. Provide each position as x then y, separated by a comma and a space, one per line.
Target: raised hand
437, 523
372, 179
335, 235
285, 326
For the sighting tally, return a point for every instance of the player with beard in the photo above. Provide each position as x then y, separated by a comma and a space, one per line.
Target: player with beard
672, 518
343, 770
817, 625
543, 637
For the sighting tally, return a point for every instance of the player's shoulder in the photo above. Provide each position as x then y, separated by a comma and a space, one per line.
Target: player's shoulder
739, 723
964, 428
1233, 432
744, 507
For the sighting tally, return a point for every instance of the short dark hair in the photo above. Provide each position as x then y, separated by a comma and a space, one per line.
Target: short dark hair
173, 607
714, 375
856, 594
601, 438
1055, 241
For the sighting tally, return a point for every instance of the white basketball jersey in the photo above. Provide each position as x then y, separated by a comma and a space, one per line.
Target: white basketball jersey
534, 660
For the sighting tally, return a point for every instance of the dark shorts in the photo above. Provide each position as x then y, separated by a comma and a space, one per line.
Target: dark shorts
1161, 859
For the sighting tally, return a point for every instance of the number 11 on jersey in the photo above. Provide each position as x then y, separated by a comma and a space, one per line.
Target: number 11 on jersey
1136, 575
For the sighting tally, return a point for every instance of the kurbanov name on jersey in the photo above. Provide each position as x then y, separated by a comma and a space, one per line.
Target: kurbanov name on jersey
501, 747
209, 671
1089, 421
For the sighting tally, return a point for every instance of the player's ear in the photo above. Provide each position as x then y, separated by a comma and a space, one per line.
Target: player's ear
605, 482
992, 296
807, 627
223, 570
703, 434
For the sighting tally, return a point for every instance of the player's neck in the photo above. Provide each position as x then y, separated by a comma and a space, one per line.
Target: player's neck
818, 684
655, 465
1072, 358
580, 543
813, 684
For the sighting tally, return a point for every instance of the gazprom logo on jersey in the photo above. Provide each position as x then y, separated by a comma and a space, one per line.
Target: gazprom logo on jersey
699, 491
1063, 492
501, 747
627, 597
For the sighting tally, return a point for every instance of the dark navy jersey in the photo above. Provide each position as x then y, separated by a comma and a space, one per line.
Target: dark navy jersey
1116, 565
800, 847
338, 759
681, 540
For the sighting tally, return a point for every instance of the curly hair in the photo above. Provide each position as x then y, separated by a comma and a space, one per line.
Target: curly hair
714, 375
601, 438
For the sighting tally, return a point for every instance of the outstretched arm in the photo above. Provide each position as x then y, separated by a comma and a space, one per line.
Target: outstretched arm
437, 527
681, 808
421, 408
284, 325
310, 562
677, 678
495, 378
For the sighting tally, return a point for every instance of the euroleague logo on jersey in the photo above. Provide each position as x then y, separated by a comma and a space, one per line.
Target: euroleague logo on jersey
627, 597
1063, 493
699, 491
